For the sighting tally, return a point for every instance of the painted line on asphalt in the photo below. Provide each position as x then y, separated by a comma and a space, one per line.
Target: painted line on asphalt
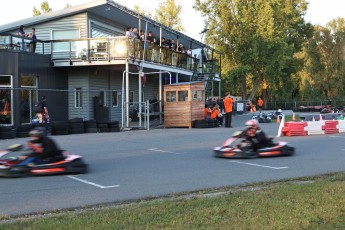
91, 183
163, 151
264, 166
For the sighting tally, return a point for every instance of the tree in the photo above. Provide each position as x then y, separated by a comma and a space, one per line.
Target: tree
44, 7
324, 60
142, 11
168, 14
262, 35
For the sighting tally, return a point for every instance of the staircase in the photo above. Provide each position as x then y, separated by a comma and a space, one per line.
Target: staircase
207, 76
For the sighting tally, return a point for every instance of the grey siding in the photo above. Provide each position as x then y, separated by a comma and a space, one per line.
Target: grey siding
79, 78
50, 81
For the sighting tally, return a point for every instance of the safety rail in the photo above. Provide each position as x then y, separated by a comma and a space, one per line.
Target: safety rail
115, 48
15, 42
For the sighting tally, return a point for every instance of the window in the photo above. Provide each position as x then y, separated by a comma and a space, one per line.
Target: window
171, 96
6, 100
116, 98
64, 34
197, 95
78, 95
183, 95
28, 97
131, 98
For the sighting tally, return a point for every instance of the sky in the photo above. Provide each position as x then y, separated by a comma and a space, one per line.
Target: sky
319, 11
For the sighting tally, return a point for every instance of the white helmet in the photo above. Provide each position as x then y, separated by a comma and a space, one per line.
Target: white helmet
252, 123
279, 110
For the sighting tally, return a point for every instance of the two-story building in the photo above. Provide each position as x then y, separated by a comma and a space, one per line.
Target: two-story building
87, 67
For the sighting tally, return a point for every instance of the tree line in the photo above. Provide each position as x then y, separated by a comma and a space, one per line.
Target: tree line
270, 51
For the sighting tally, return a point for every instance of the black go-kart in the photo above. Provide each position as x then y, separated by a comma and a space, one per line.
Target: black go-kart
234, 148
10, 160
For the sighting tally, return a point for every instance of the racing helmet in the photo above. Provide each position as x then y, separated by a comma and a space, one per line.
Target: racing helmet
253, 123
279, 110
38, 132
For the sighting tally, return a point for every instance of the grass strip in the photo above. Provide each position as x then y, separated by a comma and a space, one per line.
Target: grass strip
306, 203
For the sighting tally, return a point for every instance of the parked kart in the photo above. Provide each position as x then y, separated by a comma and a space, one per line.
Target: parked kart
262, 118
10, 160
328, 109
232, 148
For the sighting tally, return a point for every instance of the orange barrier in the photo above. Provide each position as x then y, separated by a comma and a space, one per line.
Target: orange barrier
330, 127
294, 129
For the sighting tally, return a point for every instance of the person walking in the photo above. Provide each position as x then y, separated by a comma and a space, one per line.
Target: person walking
228, 101
260, 104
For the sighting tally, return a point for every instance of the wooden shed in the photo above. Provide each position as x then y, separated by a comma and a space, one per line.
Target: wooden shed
183, 104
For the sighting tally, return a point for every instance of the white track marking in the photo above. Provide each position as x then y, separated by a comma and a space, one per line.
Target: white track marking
163, 151
91, 183
265, 166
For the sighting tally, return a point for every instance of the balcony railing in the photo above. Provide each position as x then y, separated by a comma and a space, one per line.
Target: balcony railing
26, 44
117, 48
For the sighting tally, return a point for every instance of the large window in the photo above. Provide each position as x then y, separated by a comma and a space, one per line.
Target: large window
78, 96
28, 97
62, 35
6, 116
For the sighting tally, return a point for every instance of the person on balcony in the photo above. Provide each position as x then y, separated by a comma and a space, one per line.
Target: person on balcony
34, 40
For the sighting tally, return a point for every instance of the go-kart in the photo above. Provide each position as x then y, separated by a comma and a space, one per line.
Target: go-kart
233, 148
11, 158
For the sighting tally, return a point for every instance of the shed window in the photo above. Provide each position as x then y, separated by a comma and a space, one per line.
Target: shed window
183, 95
171, 96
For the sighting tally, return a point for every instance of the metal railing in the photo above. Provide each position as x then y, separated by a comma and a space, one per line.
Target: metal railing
114, 48
15, 42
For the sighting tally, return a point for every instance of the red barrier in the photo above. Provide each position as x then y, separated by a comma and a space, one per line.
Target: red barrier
294, 129
330, 127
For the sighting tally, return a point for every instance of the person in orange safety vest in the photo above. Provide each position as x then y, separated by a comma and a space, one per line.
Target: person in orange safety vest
228, 102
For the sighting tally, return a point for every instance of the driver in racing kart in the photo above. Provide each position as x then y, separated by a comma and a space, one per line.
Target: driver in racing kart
44, 148
255, 137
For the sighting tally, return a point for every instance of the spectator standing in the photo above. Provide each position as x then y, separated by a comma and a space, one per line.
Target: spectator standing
228, 101
21, 33
34, 40
43, 116
128, 31
260, 104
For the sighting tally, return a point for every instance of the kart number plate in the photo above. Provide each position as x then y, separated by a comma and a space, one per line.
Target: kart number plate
3, 167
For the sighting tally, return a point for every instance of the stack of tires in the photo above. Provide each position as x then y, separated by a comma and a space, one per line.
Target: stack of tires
76, 126
23, 130
102, 127
7, 132
44, 125
59, 128
90, 126
207, 123
114, 126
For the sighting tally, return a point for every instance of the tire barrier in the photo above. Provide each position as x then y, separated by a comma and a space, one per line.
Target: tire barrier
75, 126
90, 126
206, 123
114, 126
59, 128
7, 132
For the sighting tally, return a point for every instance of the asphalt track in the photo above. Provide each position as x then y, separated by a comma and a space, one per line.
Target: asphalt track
140, 164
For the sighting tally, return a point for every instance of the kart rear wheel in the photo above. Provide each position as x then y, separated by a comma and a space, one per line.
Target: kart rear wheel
289, 151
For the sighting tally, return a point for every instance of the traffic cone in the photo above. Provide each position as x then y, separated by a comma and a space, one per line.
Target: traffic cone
278, 119
313, 118
293, 117
251, 109
321, 117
